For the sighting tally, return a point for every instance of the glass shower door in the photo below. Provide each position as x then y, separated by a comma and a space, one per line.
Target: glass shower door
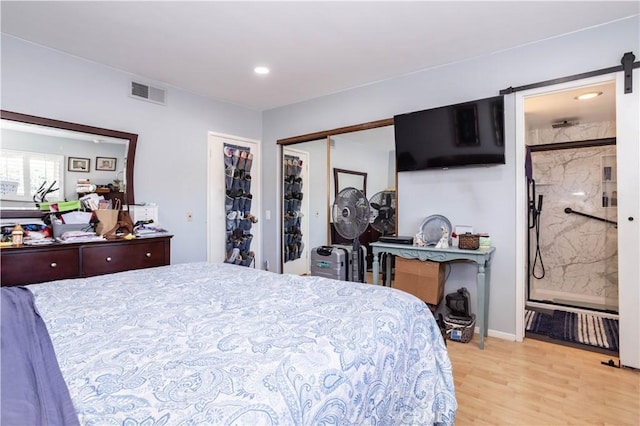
573, 237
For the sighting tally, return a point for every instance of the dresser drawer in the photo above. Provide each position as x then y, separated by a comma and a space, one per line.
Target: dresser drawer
99, 259
27, 267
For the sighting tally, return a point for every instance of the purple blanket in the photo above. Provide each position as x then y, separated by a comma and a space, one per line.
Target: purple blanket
33, 390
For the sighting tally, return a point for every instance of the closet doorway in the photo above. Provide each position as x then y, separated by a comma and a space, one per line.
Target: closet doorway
572, 250
217, 183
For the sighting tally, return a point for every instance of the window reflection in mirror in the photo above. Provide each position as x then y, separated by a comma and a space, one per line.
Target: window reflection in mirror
24, 173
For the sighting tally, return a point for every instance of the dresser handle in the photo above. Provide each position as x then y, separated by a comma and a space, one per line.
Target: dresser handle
54, 265
108, 259
148, 254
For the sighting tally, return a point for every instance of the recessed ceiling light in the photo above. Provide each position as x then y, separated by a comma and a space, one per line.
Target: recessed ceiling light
261, 70
588, 95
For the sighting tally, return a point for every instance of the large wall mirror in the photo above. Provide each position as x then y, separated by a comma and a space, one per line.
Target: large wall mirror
361, 156
41, 155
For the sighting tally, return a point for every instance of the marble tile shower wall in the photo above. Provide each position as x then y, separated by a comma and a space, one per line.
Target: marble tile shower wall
579, 254
580, 132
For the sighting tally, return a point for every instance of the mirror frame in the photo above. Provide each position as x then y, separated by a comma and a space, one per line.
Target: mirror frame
337, 172
81, 128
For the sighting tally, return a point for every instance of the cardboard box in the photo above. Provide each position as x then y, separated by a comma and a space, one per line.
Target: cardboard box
423, 279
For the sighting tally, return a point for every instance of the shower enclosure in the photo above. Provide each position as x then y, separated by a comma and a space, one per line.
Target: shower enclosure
572, 246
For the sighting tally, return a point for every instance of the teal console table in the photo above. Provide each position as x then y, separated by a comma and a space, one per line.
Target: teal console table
481, 256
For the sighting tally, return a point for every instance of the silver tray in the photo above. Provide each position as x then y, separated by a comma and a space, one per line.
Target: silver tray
431, 228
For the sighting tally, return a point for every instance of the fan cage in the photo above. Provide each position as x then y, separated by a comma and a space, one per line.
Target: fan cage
351, 212
384, 200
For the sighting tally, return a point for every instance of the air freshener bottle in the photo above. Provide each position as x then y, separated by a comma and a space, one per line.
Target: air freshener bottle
16, 235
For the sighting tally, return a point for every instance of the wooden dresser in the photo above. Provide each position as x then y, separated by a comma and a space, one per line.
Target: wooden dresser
35, 264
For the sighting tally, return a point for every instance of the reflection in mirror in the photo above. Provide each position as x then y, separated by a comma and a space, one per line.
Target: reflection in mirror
370, 151
44, 160
349, 179
313, 208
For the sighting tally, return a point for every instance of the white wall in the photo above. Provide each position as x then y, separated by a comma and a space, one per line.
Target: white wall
171, 157
482, 197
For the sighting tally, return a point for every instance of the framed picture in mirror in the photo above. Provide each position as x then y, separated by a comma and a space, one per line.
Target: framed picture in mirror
106, 163
76, 164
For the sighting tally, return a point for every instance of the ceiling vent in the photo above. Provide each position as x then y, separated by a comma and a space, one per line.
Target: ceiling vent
148, 93
565, 123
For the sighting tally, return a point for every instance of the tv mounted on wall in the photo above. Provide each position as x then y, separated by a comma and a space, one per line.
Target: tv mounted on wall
466, 134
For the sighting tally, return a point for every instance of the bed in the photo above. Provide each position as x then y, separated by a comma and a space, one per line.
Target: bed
206, 343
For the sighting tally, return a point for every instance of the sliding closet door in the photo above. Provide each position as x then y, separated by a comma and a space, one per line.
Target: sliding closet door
228, 211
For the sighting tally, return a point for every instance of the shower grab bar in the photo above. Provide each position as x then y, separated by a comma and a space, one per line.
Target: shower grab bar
568, 210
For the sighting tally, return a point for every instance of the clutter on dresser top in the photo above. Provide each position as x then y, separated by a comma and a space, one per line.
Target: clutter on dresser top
436, 231
90, 218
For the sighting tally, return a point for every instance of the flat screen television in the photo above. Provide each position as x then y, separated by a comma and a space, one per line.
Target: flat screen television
466, 134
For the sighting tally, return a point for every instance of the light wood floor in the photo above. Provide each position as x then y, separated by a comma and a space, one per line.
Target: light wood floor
540, 383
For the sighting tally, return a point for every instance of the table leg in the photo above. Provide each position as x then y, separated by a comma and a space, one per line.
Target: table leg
482, 305
376, 267
487, 292
389, 257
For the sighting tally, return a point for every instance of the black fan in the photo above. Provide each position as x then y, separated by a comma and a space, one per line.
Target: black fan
351, 213
383, 212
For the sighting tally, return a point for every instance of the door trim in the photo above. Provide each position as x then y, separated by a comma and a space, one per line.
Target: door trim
521, 190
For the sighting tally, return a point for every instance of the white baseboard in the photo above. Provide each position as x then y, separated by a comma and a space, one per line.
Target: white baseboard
498, 334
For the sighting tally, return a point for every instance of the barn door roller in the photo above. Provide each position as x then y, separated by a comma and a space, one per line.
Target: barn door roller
627, 66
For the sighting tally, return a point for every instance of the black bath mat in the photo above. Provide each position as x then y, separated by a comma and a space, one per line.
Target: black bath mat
586, 329
538, 322
581, 328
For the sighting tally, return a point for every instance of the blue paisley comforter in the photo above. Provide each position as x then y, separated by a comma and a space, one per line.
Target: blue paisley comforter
201, 343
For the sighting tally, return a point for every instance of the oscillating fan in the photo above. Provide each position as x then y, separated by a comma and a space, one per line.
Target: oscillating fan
383, 212
351, 213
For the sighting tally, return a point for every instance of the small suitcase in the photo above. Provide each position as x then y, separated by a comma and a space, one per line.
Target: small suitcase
353, 273
330, 262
